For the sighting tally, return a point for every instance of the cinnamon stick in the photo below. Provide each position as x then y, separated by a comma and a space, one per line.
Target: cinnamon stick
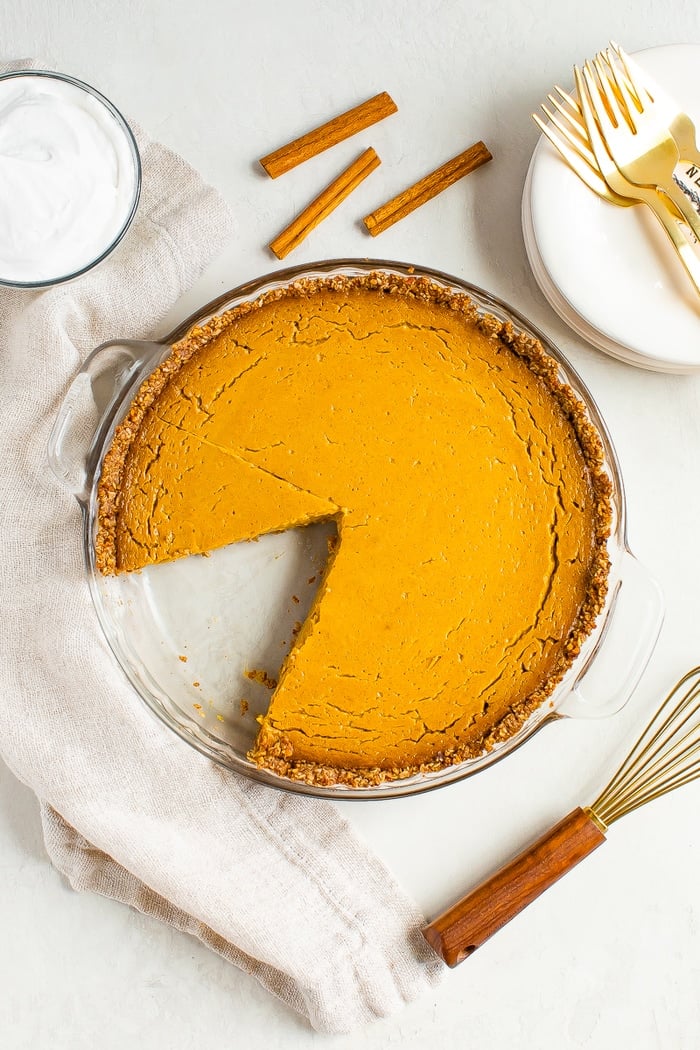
325, 203
330, 134
427, 188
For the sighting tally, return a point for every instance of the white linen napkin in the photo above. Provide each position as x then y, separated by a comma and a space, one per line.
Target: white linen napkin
275, 883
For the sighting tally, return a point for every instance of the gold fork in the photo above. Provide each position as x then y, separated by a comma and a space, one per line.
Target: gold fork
648, 95
576, 150
641, 147
634, 193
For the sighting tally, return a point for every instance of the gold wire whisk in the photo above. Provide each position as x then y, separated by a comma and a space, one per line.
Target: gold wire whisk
666, 755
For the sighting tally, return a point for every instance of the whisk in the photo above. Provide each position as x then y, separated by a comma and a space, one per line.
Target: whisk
666, 756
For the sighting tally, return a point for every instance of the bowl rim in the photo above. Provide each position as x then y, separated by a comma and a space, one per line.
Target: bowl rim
138, 176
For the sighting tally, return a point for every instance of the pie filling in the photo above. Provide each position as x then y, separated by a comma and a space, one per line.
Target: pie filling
467, 486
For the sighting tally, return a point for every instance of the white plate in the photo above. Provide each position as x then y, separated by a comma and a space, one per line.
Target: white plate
609, 271
579, 325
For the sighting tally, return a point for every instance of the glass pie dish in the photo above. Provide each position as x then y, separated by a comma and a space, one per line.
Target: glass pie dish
188, 632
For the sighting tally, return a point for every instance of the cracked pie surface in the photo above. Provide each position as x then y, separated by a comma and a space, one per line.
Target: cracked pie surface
466, 483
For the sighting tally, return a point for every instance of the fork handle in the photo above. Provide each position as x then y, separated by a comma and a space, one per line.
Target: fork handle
685, 206
690, 154
687, 256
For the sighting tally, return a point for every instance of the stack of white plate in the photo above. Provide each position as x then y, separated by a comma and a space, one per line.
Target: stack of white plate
610, 272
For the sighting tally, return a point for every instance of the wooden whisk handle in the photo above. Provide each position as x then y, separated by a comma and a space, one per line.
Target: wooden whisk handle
466, 925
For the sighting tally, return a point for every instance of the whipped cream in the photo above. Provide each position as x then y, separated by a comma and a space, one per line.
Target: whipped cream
68, 178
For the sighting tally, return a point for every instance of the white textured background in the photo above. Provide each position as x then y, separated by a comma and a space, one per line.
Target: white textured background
610, 958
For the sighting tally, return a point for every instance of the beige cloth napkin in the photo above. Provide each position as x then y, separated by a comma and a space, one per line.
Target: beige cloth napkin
275, 883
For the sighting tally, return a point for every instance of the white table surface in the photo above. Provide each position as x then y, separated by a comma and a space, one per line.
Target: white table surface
610, 957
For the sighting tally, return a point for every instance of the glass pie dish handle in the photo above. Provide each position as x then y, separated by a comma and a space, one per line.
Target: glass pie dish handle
610, 674
92, 405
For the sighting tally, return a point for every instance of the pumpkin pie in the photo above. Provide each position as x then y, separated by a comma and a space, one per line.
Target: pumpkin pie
467, 486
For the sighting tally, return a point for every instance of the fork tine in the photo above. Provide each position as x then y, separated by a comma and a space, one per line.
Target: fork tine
596, 119
586, 169
569, 99
576, 119
602, 104
572, 130
573, 119
575, 142
585, 86
632, 71
606, 85
609, 83
605, 92
626, 96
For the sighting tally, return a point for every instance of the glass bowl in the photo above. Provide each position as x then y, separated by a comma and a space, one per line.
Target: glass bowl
124, 131
185, 632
